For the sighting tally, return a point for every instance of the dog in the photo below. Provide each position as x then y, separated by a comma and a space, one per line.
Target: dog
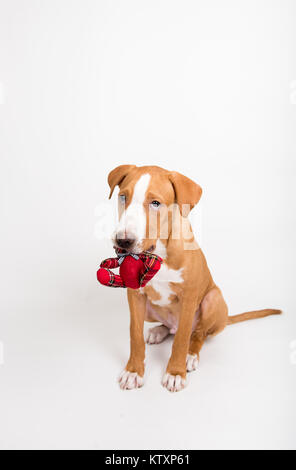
153, 204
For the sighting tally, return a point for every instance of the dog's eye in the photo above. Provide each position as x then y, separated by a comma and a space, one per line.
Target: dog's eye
155, 204
122, 198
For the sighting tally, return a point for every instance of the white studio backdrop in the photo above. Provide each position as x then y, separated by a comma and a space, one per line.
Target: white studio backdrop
206, 88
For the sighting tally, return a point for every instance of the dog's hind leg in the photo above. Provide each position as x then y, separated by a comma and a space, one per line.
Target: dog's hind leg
157, 334
212, 319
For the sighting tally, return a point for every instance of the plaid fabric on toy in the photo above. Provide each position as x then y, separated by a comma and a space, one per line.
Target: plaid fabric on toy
135, 270
152, 264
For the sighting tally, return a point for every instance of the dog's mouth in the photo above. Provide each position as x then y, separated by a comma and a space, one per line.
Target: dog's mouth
124, 251
117, 248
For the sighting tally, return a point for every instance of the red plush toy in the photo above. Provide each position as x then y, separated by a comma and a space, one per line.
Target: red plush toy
135, 270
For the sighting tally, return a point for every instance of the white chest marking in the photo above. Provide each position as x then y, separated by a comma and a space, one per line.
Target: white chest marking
161, 281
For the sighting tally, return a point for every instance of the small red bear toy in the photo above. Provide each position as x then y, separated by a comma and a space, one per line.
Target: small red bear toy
135, 270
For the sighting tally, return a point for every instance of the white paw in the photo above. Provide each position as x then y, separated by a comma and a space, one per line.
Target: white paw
157, 334
129, 380
191, 362
173, 383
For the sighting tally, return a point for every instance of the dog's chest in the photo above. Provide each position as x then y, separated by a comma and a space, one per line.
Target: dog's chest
160, 289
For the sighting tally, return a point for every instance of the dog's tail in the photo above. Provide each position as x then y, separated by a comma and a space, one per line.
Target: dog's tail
252, 315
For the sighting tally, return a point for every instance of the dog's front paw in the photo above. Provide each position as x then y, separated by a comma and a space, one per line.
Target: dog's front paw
173, 383
130, 380
191, 362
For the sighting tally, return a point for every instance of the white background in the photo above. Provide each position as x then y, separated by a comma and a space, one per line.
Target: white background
204, 87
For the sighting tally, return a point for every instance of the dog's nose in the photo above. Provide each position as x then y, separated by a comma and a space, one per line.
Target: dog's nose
125, 243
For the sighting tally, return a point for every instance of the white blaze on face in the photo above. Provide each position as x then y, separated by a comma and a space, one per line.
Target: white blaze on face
133, 220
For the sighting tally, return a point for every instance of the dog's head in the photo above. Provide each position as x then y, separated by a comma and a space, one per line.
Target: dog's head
147, 199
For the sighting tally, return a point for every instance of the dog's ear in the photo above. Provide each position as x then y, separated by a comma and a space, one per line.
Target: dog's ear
117, 175
187, 192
